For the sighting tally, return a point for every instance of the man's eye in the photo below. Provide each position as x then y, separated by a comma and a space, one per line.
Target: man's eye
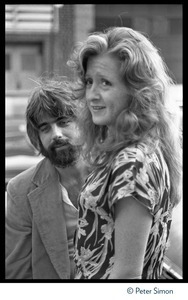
63, 123
88, 81
45, 128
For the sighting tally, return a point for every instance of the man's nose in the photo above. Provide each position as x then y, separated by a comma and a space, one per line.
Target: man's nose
57, 132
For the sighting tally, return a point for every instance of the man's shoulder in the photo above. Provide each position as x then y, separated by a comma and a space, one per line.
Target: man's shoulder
23, 180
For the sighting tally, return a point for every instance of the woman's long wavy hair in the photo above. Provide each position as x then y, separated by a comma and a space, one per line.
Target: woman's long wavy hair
147, 118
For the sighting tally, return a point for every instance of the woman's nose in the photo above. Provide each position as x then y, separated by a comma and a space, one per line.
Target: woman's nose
92, 93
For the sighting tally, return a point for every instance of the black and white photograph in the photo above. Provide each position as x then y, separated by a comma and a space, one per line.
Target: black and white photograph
93, 148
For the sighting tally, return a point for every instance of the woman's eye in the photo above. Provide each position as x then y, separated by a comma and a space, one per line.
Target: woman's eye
105, 82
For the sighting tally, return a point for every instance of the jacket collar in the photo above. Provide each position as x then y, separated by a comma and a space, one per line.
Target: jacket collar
44, 172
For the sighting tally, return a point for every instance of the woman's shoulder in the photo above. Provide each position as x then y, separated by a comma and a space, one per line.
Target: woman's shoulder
137, 155
136, 152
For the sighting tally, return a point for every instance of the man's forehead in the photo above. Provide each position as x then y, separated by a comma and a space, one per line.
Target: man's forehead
46, 118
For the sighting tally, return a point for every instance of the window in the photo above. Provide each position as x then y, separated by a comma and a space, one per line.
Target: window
28, 62
7, 62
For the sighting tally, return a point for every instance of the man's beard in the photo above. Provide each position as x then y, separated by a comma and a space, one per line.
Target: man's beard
62, 158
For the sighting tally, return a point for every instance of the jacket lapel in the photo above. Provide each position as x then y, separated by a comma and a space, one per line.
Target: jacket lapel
48, 214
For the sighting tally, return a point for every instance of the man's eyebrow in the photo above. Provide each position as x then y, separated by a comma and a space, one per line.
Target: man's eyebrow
60, 118
42, 124
55, 120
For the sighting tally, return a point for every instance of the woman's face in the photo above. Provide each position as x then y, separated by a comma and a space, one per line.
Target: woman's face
106, 93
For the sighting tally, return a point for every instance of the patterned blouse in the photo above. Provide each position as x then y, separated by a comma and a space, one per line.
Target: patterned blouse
133, 172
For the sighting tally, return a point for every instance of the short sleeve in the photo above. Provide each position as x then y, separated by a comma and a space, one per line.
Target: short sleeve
132, 176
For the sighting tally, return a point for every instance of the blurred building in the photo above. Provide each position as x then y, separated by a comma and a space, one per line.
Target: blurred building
161, 22
40, 38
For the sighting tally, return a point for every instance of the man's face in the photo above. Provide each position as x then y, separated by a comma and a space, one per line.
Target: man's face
60, 140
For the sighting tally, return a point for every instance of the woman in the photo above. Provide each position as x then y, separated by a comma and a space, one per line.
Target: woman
126, 203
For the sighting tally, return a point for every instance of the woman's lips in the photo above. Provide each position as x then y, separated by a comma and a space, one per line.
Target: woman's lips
97, 107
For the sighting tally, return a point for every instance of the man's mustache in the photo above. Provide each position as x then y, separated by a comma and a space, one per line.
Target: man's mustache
58, 143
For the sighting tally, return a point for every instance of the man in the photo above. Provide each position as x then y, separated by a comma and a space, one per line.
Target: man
42, 201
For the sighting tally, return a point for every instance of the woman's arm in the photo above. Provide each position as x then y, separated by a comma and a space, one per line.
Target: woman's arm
132, 226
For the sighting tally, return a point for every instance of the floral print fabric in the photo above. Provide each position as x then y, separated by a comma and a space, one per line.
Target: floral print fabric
136, 173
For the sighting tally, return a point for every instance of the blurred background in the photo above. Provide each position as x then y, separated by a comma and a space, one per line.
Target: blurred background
39, 40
